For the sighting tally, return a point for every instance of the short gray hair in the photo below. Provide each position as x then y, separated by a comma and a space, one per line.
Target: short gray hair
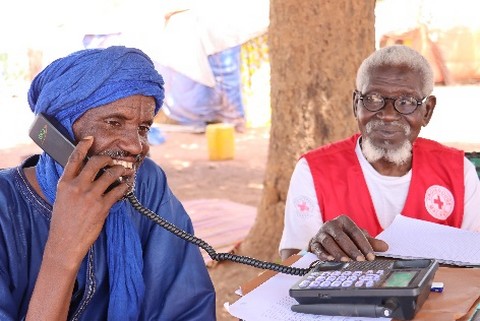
397, 55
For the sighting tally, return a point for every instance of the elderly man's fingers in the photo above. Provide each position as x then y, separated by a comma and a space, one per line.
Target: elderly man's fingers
351, 238
378, 245
317, 249
341, 248
350, 248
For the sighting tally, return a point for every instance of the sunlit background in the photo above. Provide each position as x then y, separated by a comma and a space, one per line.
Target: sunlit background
34, 32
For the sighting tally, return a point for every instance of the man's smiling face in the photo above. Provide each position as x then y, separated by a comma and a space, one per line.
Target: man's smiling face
120, 130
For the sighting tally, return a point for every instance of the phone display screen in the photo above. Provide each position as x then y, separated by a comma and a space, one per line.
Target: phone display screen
399, 279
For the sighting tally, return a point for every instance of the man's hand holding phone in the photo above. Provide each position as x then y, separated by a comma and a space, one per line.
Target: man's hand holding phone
81, 204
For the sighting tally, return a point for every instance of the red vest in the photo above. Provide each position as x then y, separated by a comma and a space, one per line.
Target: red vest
436, 191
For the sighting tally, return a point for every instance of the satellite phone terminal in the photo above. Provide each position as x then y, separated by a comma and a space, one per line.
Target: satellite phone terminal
380, 288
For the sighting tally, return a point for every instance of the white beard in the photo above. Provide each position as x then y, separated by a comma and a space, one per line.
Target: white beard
398, 156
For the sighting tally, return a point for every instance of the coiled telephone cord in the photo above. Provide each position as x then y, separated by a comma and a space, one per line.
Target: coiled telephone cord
208, 248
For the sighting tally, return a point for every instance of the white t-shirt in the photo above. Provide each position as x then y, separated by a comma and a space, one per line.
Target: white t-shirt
302, 213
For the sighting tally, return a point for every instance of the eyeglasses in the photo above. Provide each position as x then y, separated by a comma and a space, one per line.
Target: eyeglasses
405, 105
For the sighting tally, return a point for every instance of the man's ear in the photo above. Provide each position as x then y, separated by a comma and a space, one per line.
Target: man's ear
355, 102
429, 107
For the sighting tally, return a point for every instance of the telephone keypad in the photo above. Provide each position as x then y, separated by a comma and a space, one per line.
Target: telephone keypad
357, 279
349, 277
378, 288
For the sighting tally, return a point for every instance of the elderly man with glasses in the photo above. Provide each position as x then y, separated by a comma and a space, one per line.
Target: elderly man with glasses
343, 194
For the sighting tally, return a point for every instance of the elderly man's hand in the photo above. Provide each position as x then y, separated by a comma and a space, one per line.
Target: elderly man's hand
341, 239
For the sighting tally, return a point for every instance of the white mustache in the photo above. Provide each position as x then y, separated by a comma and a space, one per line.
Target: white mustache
373, 124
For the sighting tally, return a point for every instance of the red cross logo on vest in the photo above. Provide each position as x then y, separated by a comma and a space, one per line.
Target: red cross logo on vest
439, 202
303, 205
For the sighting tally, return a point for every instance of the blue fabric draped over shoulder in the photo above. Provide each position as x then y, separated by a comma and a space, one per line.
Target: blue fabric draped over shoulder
178, 284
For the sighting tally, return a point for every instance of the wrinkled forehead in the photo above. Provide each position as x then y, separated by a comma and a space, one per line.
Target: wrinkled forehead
132, 107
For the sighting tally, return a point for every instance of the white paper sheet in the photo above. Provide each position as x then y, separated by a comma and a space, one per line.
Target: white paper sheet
413, 238
271, 302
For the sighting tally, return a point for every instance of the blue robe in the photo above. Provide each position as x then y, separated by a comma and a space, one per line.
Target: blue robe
177, 284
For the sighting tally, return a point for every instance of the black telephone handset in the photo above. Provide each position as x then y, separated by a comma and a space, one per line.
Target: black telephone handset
52, 137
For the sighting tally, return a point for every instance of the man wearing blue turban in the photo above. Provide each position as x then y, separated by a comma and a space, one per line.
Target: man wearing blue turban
72, 249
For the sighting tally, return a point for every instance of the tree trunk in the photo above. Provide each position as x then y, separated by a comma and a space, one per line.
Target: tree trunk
315, 48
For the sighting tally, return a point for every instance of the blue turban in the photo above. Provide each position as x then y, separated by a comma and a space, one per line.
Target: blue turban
90, 78
65, 90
